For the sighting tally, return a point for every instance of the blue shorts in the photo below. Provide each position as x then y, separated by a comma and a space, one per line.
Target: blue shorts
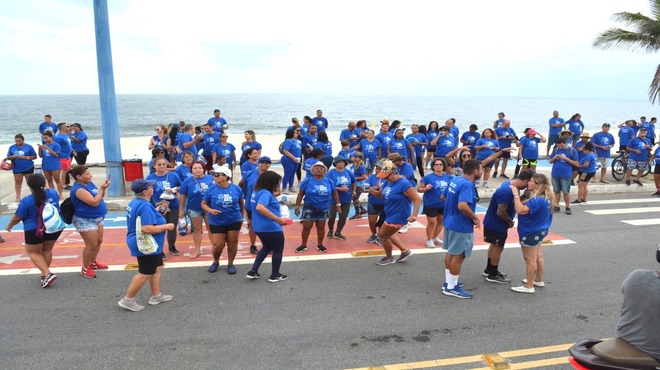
457, 243
534, 239
375, 209
196, 214
310, 213
86, 224
552, 139
561, 185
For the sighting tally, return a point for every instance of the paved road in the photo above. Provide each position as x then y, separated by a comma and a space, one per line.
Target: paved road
342, 313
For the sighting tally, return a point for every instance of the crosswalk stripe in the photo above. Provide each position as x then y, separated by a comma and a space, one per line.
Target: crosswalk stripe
646, 222
620, 201
619, 211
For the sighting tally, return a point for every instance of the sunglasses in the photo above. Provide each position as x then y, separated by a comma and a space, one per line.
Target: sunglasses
225, 136
466, 156
216, 175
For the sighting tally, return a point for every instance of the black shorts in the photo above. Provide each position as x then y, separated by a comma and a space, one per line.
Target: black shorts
623, 147
506, 155
585, 177
494, 237
656, 170
81, 157
32, 239
216, 229
147, 265
248, 214
27, 172
433, 212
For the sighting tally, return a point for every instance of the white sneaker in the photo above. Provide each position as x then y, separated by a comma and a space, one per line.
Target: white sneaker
154, 300
476, 183
536, 283
485, 184
404, 229
522, 289
438, 241
430, 244
130, 304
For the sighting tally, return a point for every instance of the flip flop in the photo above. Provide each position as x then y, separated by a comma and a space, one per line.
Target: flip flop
604, 182
194, 255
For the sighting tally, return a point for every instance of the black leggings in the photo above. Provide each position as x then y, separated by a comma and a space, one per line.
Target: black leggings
420, 165
81, 157
345, 207
271, 241
172, 217
299, 171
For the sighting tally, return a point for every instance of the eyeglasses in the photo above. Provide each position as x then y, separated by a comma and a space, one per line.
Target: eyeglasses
439, 164
466, 156
225, 136
216, 174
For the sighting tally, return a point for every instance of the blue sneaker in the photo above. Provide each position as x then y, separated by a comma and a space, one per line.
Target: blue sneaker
231, 270
213, 267
457, 292
460, 285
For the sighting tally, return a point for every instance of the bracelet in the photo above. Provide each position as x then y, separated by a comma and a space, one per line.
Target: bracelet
338, 204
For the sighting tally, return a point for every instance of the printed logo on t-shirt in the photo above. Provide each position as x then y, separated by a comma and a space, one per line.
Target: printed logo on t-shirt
321, 189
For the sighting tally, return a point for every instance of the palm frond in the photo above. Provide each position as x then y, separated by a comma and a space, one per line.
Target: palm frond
617, 38
654, 88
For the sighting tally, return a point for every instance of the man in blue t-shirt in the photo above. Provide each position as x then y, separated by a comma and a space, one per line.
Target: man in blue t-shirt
563, 160
320, 121
506, 136
603, 141
188, 142
626, 133
351, 134
556, 124
47, 125
218, 123
497, 222
638, 159
384, 137
459, 221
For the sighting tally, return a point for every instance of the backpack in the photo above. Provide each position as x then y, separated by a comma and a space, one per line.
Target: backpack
67, 210
281, 147
51, 218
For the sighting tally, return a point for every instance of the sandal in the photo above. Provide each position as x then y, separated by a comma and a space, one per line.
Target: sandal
194, 255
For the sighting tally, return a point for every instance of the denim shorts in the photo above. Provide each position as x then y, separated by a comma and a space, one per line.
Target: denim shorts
637, 165
534, 239
561, 185
87, 224
310, 213
457, 243
197, 214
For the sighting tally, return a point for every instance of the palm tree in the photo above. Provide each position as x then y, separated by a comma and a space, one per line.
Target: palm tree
643, 35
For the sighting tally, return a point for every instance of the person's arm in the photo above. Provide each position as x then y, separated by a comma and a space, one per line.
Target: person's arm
205, 206
301, 194
13, 222
412, 194
152, 142
502, 213
521, 209
465, 209
263, 210
335, 196
93, 201
422, 187
543, 140
491, 158
156, 229
182, 201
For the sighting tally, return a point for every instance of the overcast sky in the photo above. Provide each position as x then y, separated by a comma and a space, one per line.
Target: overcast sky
450, 48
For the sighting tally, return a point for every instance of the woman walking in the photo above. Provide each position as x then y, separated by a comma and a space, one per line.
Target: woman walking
359, 170
22, 156
534, 220
192, 191
375, 205
38, 246
345, 184
267, 223
225, 204
433, 185
149, 266
49, 152
79, 143
165, 199
401, 207
291, 155
90, 210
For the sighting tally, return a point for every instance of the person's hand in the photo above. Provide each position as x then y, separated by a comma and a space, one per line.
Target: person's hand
338, 208
105, 184
429, 186
510, 224
514, 189
215, 212
412, 219
170, 227
281, 221
297, 211
477, 223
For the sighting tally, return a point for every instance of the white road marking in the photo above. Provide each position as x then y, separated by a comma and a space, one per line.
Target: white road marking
620, 211
646, 222
620, 201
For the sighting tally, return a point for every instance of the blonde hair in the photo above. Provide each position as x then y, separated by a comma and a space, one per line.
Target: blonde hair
543, 189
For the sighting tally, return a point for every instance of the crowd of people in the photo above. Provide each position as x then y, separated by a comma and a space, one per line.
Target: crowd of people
190, 183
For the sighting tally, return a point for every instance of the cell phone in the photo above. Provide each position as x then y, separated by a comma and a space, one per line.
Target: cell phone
109, 176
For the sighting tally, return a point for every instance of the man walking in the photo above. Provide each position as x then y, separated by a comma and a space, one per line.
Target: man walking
460, 222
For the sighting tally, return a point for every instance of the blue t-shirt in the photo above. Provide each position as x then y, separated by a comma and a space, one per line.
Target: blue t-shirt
322, 123
169, 180
65, 145
398, 206
194, 188
502, 195
307, 166
209, 141
561, 168
80, 146
148, 216
420, 138
575, 127
352, 136
227, 201
444, 145
22, 165
370, 149
226, 150
248, 166
326, 147
657, 156
186, 138
625, 135
406, 170
294, 147
638, 144
460, 189
358, 173
83, 209
579, 145
491, 148
430, 135
308, 141
250, 179
183, 172
399, 146
650, 129
603, 139
52, 127
27, 208
506, 132
318, 193
555, 130
538, 219
50, 162
471, 138
530, 148
372, 180
591, 158
384, 142
217, 124
261, 223
341, 179
432, 197
453, 132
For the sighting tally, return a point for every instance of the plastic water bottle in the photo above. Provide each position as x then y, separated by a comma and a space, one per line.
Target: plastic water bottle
285, 213
283, 199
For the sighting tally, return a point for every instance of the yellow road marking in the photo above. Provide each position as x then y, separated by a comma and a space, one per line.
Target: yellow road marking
533, 364
367, 253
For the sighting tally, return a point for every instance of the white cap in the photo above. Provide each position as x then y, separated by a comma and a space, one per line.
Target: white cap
224, 169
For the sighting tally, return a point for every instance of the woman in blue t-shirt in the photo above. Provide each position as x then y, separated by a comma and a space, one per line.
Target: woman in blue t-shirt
534, 220
165, 200
225, 204
22, 156
90, 210
359, 171
486, 146
432, 186
150, 266
228, 150
250, 142
587, 170
432, 131
49, 152
39, 249
375, 205
400, 145
79, 143
401, 207
267, 223
324, 144
291, 157
191, 193
345, 184
318, 192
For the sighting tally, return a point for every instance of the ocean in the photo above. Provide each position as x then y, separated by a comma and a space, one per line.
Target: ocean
271, 113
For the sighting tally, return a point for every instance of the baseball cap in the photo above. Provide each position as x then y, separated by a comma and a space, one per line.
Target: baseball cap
265, 159
140, 185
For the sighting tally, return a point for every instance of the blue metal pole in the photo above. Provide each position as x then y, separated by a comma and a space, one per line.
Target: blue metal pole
109, 121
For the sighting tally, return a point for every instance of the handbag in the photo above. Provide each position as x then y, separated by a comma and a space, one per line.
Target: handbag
146, 242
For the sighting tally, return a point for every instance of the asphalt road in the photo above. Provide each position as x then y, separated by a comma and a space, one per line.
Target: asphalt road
331, 314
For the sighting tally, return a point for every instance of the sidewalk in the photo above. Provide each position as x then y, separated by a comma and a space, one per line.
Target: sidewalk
7, 196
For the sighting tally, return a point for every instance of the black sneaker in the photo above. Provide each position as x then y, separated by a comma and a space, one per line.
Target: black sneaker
253, 275
639, 183
499, 273
499, 279
253, 249
164, 256
301, 248
577, 201
504, 176
656, 194
67, 187
339, 236
174, 251
278, 277
322, 248
628, 182
495, 174
329, 236
556, 209
568, 211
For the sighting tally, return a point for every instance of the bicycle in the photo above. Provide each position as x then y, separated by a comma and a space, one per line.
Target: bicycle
620, 165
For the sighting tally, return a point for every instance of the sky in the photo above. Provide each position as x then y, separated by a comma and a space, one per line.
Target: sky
516, 48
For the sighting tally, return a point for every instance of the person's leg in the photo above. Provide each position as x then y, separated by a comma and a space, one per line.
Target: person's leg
420, 165
91, 239
218, 243
656, 179
232, 246
18, 183
496, 165
35, 252
486, 174
438, 226
385, 233
49, 178
629, 174
299, 173
374, 218
266, 247
603, 170
136, 284
307, 228
58, 181
277, 240
99, 241
154, 282
397, 242
331, 219
530, 255
345, 208
494, 256
197, 236
172, 217
540, 263
505, 161
431, 224
320, 231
